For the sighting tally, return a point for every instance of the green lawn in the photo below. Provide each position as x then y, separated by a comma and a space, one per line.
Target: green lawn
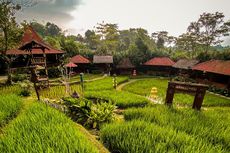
143, 87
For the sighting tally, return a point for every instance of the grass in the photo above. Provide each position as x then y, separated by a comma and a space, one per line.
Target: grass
10, 105
104, 84
121, 98
143, 87
161, 129
43, 129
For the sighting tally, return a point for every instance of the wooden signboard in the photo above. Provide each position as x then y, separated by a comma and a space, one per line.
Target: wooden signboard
198, 90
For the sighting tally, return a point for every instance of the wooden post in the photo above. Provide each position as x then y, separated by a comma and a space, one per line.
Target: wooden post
199, 97
170, 94
34, 79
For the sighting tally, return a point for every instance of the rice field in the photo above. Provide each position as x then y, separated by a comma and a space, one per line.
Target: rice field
43, 129
143, 87
121, 98
104, 84
9, 107
161, 129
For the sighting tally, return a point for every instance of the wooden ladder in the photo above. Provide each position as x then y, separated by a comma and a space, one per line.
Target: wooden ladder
41, 64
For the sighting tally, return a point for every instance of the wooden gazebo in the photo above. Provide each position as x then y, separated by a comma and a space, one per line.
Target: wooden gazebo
82, 62
159, 66
125, 66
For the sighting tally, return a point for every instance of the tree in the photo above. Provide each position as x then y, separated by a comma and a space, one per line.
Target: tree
109, 36
139, 52
52, 29
39, 28
7, 25
92, 40
161, 38
209, 28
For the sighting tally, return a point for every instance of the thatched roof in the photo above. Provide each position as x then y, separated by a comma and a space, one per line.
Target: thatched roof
125, 64
102, 59
185, 63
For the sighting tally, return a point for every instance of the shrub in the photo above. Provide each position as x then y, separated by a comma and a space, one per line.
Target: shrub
89, 114
54, 72
19, 77
26, 88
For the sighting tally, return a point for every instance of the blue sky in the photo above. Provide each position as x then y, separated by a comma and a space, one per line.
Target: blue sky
76, 16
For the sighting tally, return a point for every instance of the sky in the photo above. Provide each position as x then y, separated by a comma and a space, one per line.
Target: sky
77, 16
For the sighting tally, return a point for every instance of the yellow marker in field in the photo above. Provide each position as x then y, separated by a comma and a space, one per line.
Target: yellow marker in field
153, 93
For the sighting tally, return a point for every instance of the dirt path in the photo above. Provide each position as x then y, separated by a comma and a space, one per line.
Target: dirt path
120, 86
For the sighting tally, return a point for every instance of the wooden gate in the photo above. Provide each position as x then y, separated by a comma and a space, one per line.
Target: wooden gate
189, 88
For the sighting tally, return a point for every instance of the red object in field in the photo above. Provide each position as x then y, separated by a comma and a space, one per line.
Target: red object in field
134, 73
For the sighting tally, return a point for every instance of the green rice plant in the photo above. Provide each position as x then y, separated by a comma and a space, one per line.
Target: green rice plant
85, 76
9, 107
57, 92
43, 129
212, 125
144, 137
121, 98
104, 84
143, 87
12, 89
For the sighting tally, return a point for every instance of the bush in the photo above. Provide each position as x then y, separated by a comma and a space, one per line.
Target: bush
54, 72
19, 77
89, 114
26, 88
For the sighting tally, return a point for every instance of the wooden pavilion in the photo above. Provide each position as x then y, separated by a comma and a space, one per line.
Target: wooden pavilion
213, 72
22, 58
82, 62
125, 67
159, 66
103, 63
183, 67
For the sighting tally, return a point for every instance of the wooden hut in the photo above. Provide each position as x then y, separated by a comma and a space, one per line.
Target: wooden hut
125, 66
103, 63
159, 66
183, 67
22, 58
82, 62
213, 72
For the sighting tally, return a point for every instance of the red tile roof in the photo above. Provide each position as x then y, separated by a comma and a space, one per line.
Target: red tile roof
160, 61
214, 66
71, 64
30, 35
16, 52
79, 59
34, 51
